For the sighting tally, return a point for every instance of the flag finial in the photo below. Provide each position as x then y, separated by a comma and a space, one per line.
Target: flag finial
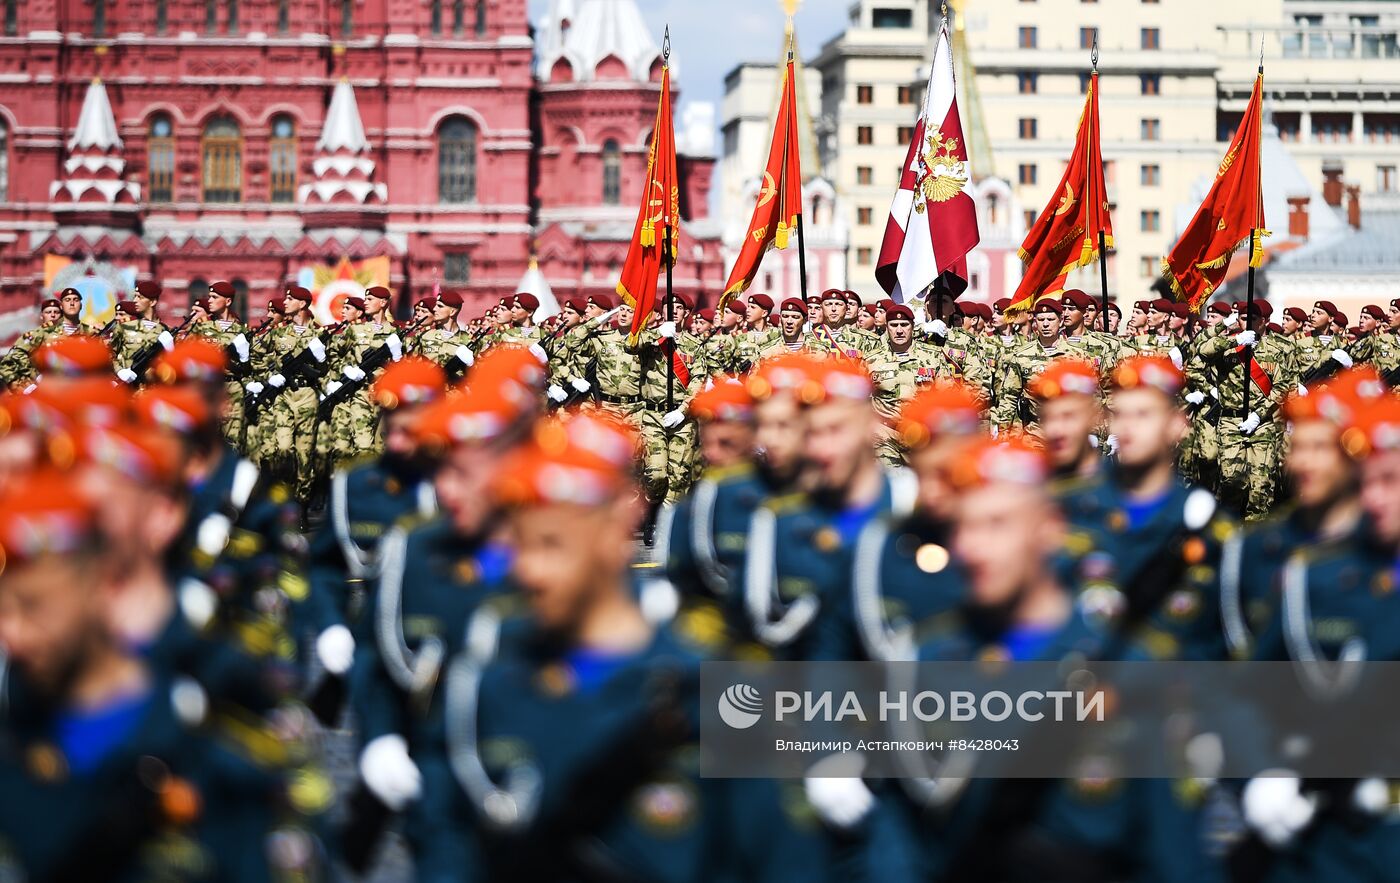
945, 10
1261, 55
1094, 53
666, 45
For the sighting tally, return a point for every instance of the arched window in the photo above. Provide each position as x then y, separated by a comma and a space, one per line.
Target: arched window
160, 160
481, 18
457, 161
347, 17
222, 149
99, 18
282, 159
284, 16
162, 16
459, 17
233, 16
240, 297
612, 173
11, 17
198, 288
211, 16
435, 18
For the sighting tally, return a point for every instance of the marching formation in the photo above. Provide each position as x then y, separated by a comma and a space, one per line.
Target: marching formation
492, 556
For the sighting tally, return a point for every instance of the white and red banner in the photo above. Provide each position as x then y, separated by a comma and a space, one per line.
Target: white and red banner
933, 220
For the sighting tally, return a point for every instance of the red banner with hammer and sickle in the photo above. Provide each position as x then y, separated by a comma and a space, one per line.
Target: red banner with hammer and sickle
660, 209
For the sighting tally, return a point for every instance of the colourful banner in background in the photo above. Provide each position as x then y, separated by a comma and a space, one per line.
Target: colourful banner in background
101, 284
331, 285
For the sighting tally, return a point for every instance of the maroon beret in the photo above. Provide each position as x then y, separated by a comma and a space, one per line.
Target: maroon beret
684, 300
1297, 314
1113, 308
1243, 306
1161, 305
49, 302
1001, 304
761, 300
814, 299
1181, 311
356, 302
1075, 297
833, 294
527, 301
869, 310
1339, 317
301, 294
429, 303
1395, 304
885, 303
203, 304
223, 288
275, 306
577, 304
735, 306
793, 303
378, 291
1374, 311
1326, 306
1144, 305
852, 297
1274, 328
602, 301
450, 298
707, 314
1047, 305
899, 311
148, 289
128, 308
73, 291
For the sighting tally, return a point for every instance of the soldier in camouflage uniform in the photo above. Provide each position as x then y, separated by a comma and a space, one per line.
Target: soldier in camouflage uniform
1155, 335
351, 429
1250, 439
792, 316
130, 339
758, 336
443, 340
722, 347
1013, 406
1378, 346
1104, 350
285, 426
899, 370
220, 326
17, 367
834, 336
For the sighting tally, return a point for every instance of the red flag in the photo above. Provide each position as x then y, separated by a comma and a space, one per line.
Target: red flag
660, 209
778, 207
933, 220
1232, 215
1066, 235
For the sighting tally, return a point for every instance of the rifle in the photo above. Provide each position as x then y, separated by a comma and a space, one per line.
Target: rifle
376, 359
298, 371
590, 327
150, 351
1391, 377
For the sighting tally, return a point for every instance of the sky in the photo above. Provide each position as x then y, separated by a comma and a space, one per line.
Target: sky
709, 37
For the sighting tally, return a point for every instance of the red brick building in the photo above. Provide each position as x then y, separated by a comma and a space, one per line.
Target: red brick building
267, 140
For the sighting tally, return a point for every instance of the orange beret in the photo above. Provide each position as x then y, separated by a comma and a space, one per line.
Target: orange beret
568, 466
73, 356
95, 401
727, 399
1065, 376
1340, 400
413, 380
938, 411
1377, 428
44, 513
1154, 372
517, 364
174, 409
986, 461
137, 452
785, 372
844, 379
477, 416
192, 359
601, 432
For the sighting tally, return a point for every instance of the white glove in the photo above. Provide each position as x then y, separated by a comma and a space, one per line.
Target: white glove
1232, 319
1215, 392
1093, 441
240, 346
254, 387
318, 349
465, 356
673, 419
29, 389
1342, 357
335, 647
1110, 444
332, 386
995, 431
841, 803
1177, 360
538, 352
277, 381
395, 347
1195, 397
938, 328
1246, 338
667, 330
556, 393
166, 342
126, 375
1302, 389
580, 384
390, 773
1250, 423
353, 372
1276, 808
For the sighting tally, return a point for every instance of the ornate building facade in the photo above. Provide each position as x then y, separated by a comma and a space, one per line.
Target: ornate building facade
407, 142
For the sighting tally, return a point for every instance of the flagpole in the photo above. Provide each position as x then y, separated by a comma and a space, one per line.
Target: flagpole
801, 237
1103, 242
670, 317
1248, 352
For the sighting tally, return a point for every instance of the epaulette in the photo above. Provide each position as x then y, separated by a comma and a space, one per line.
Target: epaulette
719, 474
411, 521
784, 503
1070, 485
364, 459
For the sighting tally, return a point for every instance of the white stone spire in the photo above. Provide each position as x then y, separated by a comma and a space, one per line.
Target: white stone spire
533, 282
93, 172
598, 29
343, 171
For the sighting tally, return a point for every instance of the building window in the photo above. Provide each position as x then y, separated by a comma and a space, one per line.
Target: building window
1385, 175
1025, 37
459, 17
1027, 128
11, 17
211, 16
1151, 38
456, 267
481, 18
906, 95
160, 161
1151, 175
1085, 81
1086, 37
864, 176
1152, 130
347, 17
892, 18
1147, 266
612, 173
865, 135
865, 94
863, 216
1027, 83
233, 16
282, 159
222, 149
1151, 84
435, 18
198, 288
240, 297
162, 16
284, 16
457, 161
99, 18
4, 162
863, 257
1028, 215
1026, 173
906, 134
1150, 221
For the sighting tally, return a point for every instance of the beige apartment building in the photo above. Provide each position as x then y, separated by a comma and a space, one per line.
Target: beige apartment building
1175, 76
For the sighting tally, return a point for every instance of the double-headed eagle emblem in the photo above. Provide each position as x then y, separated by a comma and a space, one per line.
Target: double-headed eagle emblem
947, 174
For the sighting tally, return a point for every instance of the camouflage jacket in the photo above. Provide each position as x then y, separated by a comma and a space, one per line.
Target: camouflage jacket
898, 376
1274, 379
1013, 405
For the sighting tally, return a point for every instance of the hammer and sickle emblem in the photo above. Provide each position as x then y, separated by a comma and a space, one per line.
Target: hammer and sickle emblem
769, 190
658, 203
1067, 201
